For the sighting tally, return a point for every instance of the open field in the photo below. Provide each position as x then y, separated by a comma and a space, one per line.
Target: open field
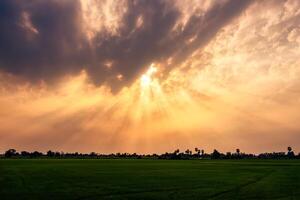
149, 179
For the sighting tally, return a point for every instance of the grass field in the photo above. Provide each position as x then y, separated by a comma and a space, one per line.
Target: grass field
149, 179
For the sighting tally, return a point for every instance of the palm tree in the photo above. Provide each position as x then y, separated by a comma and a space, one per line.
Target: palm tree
187, 151
198, 151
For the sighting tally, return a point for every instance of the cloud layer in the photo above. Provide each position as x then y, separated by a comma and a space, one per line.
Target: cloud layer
44, 40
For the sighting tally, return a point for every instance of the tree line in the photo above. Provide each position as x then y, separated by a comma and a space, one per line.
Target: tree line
176, 155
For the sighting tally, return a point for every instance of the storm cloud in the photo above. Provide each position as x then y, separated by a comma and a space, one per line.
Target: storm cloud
44, 40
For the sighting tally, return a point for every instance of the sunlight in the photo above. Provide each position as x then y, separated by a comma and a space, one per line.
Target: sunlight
146, 79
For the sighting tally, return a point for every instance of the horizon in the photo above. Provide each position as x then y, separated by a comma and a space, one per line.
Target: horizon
149, 76
192, 150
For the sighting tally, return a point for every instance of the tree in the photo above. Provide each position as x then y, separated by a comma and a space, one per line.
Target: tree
25, 154
50, 153
290, 153
93, 154
36, 154
187, 151
238, 153
216, 154
10, 153
57, 154
228, 155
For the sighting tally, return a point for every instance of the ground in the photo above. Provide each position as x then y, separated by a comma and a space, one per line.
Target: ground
149, 179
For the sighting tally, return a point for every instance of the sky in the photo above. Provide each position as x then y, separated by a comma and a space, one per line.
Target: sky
149, 76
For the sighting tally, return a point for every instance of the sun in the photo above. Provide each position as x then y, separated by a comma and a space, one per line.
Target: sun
146, 78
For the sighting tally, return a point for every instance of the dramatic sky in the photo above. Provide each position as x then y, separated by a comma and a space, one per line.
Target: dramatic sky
149, 75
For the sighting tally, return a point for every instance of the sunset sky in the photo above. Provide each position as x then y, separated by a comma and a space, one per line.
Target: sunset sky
149, 76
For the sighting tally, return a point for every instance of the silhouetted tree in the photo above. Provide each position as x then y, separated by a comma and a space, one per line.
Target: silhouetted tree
188, 154
93, 154
290, 153
10, 153
25, 153
216, 154
238, 153
57, 154
50, 153
228, 155
187, 151
36, 154
198, 151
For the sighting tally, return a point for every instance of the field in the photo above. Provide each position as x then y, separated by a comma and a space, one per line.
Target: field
149, 179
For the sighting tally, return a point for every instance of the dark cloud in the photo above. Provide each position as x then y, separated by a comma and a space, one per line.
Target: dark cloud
56, 45
56, 49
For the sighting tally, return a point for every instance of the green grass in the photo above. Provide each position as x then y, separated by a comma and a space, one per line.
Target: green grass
149, 179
